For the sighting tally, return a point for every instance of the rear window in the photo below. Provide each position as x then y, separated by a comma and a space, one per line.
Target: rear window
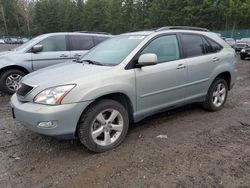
80, 42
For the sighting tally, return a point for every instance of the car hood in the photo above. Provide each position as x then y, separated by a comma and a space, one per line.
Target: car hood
64, 73
5, 53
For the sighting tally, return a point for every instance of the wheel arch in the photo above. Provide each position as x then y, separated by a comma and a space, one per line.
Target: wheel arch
227, 77
16, 67
117, 96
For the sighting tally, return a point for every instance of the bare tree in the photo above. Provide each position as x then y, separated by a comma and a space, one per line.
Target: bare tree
24, 8
4, 19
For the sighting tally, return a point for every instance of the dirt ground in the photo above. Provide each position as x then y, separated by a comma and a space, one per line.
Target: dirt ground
196, 149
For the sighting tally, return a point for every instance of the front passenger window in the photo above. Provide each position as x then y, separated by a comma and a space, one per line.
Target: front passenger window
54, 43
166, 48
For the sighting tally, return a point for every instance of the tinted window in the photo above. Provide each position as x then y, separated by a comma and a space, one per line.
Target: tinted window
192, 45
79, 42
211, 46
99, 39
166, 48
54, 43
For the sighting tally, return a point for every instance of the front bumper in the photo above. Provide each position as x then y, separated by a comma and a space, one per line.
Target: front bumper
65, 116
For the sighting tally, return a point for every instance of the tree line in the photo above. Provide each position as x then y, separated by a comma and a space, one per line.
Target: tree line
32, 17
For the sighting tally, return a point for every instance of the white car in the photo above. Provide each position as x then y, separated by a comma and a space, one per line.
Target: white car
2, 41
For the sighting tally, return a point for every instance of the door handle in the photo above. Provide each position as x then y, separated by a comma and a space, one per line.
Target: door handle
77, 55
63, 55
216, 59
181, 66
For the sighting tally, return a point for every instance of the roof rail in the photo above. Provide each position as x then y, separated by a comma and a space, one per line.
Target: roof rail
182, 27
94, 32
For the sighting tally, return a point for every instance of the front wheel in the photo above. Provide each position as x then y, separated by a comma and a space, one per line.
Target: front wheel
103, 126
9, 81
217, 95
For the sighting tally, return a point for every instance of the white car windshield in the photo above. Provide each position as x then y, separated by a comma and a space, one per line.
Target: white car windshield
113, 51
27, 43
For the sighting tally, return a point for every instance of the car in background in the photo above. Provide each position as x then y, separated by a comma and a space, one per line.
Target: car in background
7, 40
25, 40
14, 41
231, 42
2, 41
126, 79
241, 44
244, 53
11, 40
19, 40
43, 51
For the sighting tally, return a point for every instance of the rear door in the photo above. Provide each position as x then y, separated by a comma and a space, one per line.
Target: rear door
202, 57
80, 44
54, 52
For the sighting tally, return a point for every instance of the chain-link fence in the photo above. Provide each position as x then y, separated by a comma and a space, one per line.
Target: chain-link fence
236, 34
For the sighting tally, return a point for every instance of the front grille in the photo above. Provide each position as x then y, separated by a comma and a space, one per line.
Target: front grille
24, 90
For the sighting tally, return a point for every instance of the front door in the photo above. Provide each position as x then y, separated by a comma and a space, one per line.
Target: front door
162, 85
54, 52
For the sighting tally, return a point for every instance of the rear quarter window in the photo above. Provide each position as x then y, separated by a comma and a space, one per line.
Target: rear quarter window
212, 46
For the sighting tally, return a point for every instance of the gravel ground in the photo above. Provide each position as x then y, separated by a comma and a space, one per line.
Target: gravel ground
188, 147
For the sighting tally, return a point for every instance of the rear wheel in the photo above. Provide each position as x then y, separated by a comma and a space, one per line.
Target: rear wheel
103, 126
9, 80
217, 95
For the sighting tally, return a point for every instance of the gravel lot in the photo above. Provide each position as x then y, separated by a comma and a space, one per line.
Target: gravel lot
198, 149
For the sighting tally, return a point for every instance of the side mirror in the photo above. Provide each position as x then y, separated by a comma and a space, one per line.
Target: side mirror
148, 59
37, 48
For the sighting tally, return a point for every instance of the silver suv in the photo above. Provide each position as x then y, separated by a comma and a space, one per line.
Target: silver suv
123, 80
42, 51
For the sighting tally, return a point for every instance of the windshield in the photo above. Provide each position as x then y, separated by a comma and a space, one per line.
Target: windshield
27, 43
113, 51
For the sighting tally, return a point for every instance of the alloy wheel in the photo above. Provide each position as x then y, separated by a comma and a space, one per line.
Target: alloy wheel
12, 82
107, 127
219, 95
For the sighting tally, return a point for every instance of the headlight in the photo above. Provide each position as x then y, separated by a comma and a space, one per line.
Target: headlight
53, 96
243, 50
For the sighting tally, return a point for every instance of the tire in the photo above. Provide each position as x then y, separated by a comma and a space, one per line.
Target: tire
243, 57
17, 76
210, 102
89, 124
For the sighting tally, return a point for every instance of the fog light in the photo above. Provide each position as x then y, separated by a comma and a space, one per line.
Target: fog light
47, 124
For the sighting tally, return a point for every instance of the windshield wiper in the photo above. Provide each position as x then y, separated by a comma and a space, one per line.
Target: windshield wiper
92, 62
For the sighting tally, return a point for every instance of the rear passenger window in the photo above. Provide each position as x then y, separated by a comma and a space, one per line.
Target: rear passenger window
193, 45
79, 42
99, 39
211, 46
